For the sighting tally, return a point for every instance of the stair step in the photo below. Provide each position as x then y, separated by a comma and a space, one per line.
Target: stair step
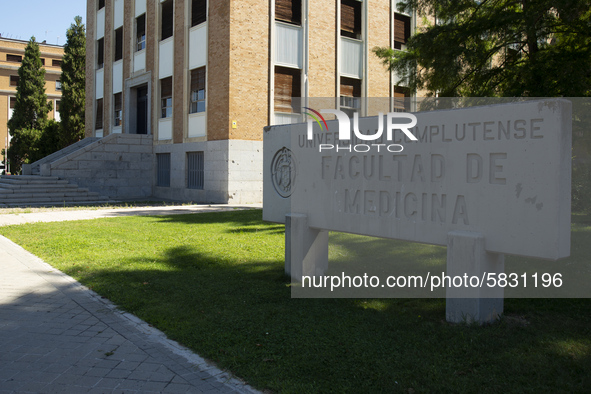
50, 204
33, 181
32, 187
17, 196
39, 200
28, 177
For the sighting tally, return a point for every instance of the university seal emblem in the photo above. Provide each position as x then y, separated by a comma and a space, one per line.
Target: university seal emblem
283, 172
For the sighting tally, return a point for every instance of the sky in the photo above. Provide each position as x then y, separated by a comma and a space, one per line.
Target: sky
46, 20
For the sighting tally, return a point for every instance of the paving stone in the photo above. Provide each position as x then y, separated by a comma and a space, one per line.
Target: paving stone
57, 337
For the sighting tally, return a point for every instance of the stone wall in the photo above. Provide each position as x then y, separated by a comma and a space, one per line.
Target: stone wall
118, 166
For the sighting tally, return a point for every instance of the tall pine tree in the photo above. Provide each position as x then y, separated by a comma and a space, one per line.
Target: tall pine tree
73, 79
29, 117
535, 48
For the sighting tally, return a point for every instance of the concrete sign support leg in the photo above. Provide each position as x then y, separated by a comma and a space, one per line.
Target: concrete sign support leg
467, 258
306, 249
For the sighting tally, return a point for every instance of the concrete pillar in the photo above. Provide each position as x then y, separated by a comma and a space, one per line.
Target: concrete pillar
467, 257
306, 249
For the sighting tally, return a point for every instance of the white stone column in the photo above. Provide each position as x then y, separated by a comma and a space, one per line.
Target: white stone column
467, 257
306, 249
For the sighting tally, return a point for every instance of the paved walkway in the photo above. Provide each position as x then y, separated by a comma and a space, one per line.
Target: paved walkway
57, 336
59, 215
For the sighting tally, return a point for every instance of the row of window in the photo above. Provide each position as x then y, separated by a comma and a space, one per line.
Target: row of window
196, 93
12, 103
18, 59
198, 16
117, 111
15, 78
195, 170
196, 99
288, 86
290, 11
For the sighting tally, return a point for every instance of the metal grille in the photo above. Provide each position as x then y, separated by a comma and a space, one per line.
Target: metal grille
163, 160
195, 173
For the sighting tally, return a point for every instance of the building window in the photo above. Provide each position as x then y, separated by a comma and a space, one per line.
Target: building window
57, 105
58, 85
140, 25
197, 90
198, 12
163, 168
118, 109
98, 123
100, 58
119, 44
166, 97
101, 4
401, 99
13, 80
401, 30
56, 62
289, 11
167, 19
350, 95
351, 19
43, 61
14, 58
12, 102
287, 86
195, 171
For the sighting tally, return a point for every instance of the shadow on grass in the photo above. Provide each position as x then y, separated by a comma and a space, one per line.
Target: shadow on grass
240, 315
222, 292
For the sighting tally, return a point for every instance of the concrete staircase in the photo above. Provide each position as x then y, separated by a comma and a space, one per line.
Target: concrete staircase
34, 190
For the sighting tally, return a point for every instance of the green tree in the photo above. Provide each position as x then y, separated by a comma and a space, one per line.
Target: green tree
509, 48
73, 79
29, 117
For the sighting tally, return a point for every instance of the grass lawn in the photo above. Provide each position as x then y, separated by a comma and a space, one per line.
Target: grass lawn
214, 282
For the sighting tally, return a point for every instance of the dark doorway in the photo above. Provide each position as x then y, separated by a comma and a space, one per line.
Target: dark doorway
142, 110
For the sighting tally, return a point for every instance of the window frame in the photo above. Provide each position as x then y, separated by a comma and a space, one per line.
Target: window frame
117, 109
14, 79
163, 169
291, 14
118, 52
198, 18
166, 98
98, 121
195, 170
166, 31
194, 99
13, 58
354, 6
100, 53
296, 90
140, 40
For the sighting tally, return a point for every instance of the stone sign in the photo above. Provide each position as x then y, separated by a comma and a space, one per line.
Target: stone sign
484, 181
502, 171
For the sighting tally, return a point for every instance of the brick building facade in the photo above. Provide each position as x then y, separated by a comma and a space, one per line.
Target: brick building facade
12, 53
204, 77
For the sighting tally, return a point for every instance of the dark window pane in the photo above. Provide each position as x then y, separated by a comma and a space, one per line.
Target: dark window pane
401, 30
99, 115
163, 168
119, 44
289, 11
167, 19
198, 12
14, 58
351, 18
